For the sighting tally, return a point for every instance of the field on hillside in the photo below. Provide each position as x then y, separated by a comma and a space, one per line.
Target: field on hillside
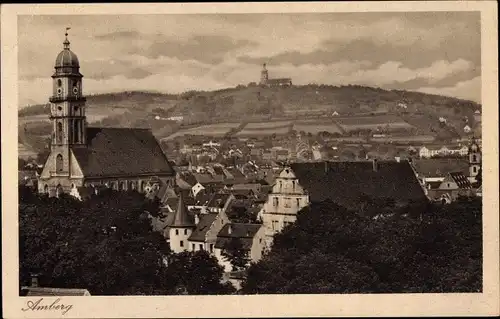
404, 139
265, 131
266, 125
372, 123
314, 127
218, 129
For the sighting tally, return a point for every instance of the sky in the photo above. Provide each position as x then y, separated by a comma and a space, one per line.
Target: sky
431, 52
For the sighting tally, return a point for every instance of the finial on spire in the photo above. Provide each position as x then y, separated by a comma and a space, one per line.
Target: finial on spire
66, 41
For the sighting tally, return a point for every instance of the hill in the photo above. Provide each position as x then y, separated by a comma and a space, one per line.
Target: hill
206, 111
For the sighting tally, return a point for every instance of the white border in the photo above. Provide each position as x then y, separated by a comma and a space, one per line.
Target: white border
486, 303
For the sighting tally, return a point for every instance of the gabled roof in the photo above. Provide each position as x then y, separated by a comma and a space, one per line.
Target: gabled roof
44, 291
121, 152
440, 167
218, 200
245, 232
461, 180
206, 221
181, 216
346, 183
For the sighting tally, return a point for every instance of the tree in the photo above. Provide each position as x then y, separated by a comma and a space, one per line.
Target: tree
67, 241
236, 253
196, 273
330, 249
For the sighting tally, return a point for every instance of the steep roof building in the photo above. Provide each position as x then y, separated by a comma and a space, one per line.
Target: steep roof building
81, 156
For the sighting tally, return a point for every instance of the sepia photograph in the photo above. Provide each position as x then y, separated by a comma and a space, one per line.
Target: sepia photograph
278, 153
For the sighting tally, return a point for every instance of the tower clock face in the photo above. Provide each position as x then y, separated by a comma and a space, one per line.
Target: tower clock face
75, 90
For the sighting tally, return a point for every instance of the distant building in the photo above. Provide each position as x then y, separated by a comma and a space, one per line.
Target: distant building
467, 129
34, 290
429, 151
266, 81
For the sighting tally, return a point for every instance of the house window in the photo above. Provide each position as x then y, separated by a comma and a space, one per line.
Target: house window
59, 163
293, 185
46, 189
474, 157
177, 232
448, 184
211, 248
182, 243
276, 201
194, 247
298, 202
281, 185
185, 231
201, 246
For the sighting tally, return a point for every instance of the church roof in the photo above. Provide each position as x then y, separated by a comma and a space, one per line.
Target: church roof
346, 183
121, 152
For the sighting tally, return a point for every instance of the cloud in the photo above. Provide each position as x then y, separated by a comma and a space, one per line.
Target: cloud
469, 90
169, 53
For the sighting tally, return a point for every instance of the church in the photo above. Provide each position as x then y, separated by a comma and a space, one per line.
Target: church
83, 156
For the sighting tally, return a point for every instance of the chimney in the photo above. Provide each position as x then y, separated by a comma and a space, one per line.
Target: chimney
34, 280
229, 229
375, 165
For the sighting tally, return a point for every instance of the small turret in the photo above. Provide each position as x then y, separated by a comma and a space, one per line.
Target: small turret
181, 228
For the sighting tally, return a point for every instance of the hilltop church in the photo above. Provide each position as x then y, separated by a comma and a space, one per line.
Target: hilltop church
82, 156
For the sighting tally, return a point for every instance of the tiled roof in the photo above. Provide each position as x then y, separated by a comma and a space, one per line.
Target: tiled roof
461, 180
206, 220
440, 167
345, 183
43, 291
181, 216
245, 232
218, 200
121, 152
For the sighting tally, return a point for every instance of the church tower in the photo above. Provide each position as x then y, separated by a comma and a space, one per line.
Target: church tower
264, 75
474, 160
67, 108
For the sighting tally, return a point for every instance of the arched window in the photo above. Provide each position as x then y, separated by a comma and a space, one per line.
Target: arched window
142, 186
59, 82
59, 190
474, 157
46, 189
293, 185
122, 186
59, 163
132, 185
59, 132
75, 131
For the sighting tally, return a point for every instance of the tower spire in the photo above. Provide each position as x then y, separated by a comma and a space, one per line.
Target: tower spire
66, 41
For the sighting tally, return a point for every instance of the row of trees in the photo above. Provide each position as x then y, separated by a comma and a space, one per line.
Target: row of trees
106, 245
332, 250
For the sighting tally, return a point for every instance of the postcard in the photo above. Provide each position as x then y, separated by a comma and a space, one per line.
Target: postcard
250, 159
